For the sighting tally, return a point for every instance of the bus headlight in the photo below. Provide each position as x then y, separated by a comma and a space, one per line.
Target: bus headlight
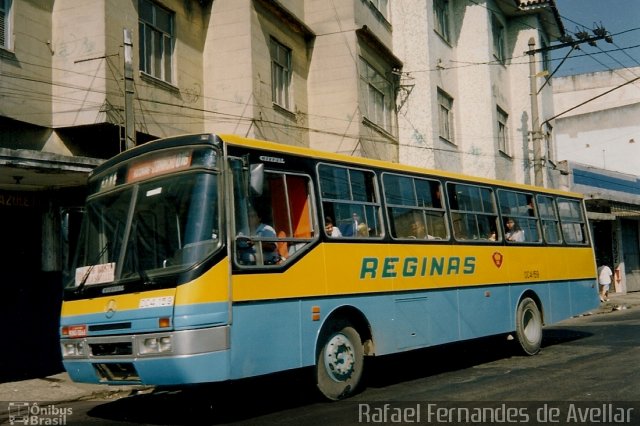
73, 349
155, 345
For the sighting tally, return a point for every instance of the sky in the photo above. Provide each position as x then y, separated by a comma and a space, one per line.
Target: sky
621, 19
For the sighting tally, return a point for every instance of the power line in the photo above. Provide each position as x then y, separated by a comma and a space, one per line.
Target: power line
591, 99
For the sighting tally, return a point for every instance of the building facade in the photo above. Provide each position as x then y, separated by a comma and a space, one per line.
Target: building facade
596, 133
441, 83
465, 98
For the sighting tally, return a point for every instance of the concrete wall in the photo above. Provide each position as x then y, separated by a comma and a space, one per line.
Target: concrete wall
25, 86
604, 132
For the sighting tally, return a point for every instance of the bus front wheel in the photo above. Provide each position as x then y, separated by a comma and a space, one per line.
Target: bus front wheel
340, 362
529, 326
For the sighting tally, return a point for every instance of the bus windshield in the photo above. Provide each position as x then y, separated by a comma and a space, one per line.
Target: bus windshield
153, 228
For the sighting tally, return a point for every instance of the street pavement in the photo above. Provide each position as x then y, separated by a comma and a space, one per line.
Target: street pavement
59, 388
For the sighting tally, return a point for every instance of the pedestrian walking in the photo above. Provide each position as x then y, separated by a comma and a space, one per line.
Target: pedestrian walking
604, 281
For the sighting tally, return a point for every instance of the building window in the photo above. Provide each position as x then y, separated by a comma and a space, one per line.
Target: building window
280, 74
5, 23
441, 13
377, 92
382, 6
503, 132
498, 39
445, 116
156, 40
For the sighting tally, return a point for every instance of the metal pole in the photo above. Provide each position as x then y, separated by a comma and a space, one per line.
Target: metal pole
129, 122
536, 134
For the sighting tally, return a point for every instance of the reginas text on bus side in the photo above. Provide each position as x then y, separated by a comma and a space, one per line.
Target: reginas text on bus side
409, 267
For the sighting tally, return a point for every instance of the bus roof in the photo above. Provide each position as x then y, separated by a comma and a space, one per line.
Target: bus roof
214, 139
319, 155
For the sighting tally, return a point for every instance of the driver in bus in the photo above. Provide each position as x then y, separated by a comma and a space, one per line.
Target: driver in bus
260, 229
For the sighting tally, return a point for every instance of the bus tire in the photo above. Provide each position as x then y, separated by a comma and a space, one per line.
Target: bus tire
529, 326
340, 362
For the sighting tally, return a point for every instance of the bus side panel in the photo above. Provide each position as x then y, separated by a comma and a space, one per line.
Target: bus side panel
271, 336
266, 337
484, 311
584, 296
560, 300
444, 316
559, 305
420, 319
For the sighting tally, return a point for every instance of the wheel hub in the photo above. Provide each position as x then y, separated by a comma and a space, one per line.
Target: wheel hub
339, 358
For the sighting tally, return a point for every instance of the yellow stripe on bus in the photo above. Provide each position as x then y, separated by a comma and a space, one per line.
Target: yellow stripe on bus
351, 268
120, 302
372, 268
211, 287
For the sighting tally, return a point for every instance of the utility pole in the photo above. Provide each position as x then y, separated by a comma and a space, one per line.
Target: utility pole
536, 132
536, 128
129, 122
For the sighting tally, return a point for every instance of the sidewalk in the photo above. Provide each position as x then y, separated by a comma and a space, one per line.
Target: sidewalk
619, 302
59, 388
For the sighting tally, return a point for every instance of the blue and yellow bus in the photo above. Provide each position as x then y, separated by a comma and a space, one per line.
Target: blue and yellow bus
207, 258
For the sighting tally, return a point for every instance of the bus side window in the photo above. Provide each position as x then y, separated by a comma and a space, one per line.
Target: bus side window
572, 222
350, 198
414, 207
292, 216
519, 213
549, 217
284, 224
473, 212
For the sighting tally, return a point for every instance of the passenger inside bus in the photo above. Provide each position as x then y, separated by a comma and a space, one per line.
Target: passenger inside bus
355, 227
417, 230
513, 232
330, 229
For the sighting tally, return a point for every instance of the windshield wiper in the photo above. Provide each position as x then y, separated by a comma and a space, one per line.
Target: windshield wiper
83, 282
144, 276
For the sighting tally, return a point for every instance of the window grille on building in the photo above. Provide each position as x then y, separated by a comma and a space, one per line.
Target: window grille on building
503, 132
377, 91
445, 116
441, 21
5, 24
498, 39
280, 74
156, 40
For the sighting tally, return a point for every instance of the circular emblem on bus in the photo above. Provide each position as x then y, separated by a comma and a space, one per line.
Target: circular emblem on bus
111, 308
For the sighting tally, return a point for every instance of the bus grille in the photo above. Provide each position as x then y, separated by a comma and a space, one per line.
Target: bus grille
111, 349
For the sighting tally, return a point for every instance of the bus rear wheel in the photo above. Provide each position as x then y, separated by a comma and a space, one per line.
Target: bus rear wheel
340, 362
529, 326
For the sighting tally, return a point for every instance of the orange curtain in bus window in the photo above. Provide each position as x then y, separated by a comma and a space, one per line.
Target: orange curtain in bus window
298, 206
